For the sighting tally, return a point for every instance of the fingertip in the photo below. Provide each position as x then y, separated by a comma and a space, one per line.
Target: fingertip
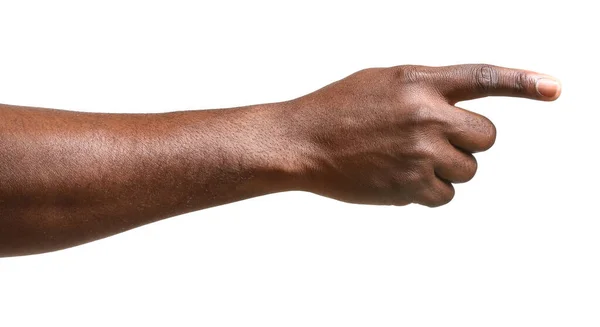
548, 88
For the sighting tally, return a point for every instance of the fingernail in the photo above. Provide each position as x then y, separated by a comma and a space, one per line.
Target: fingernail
547, 87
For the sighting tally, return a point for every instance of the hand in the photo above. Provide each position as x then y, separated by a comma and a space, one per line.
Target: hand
393, 135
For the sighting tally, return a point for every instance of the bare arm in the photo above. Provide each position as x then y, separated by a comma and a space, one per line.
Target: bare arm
70, 177
380, 136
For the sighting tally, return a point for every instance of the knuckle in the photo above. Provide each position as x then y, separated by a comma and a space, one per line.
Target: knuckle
434, 194
419, 114
470, 168
482, 130
424, 150
364, 72
489, 134
416, 177
442, 198
446, 196
520, 82
425, 115
486, 77
408, 73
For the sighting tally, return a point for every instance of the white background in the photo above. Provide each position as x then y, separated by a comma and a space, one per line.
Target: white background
518, 246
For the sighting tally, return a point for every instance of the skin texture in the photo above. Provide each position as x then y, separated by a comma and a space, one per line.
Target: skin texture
388, 136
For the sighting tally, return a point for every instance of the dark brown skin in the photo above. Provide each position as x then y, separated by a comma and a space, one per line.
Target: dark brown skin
389, 136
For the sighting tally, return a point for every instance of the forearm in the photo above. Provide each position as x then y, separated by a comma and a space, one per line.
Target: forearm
69, 177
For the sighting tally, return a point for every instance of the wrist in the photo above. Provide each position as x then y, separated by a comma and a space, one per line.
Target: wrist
279, 149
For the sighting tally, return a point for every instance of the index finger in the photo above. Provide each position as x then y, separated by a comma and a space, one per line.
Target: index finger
467, 82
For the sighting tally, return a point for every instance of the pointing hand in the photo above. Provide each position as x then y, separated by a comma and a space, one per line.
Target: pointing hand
394, 135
